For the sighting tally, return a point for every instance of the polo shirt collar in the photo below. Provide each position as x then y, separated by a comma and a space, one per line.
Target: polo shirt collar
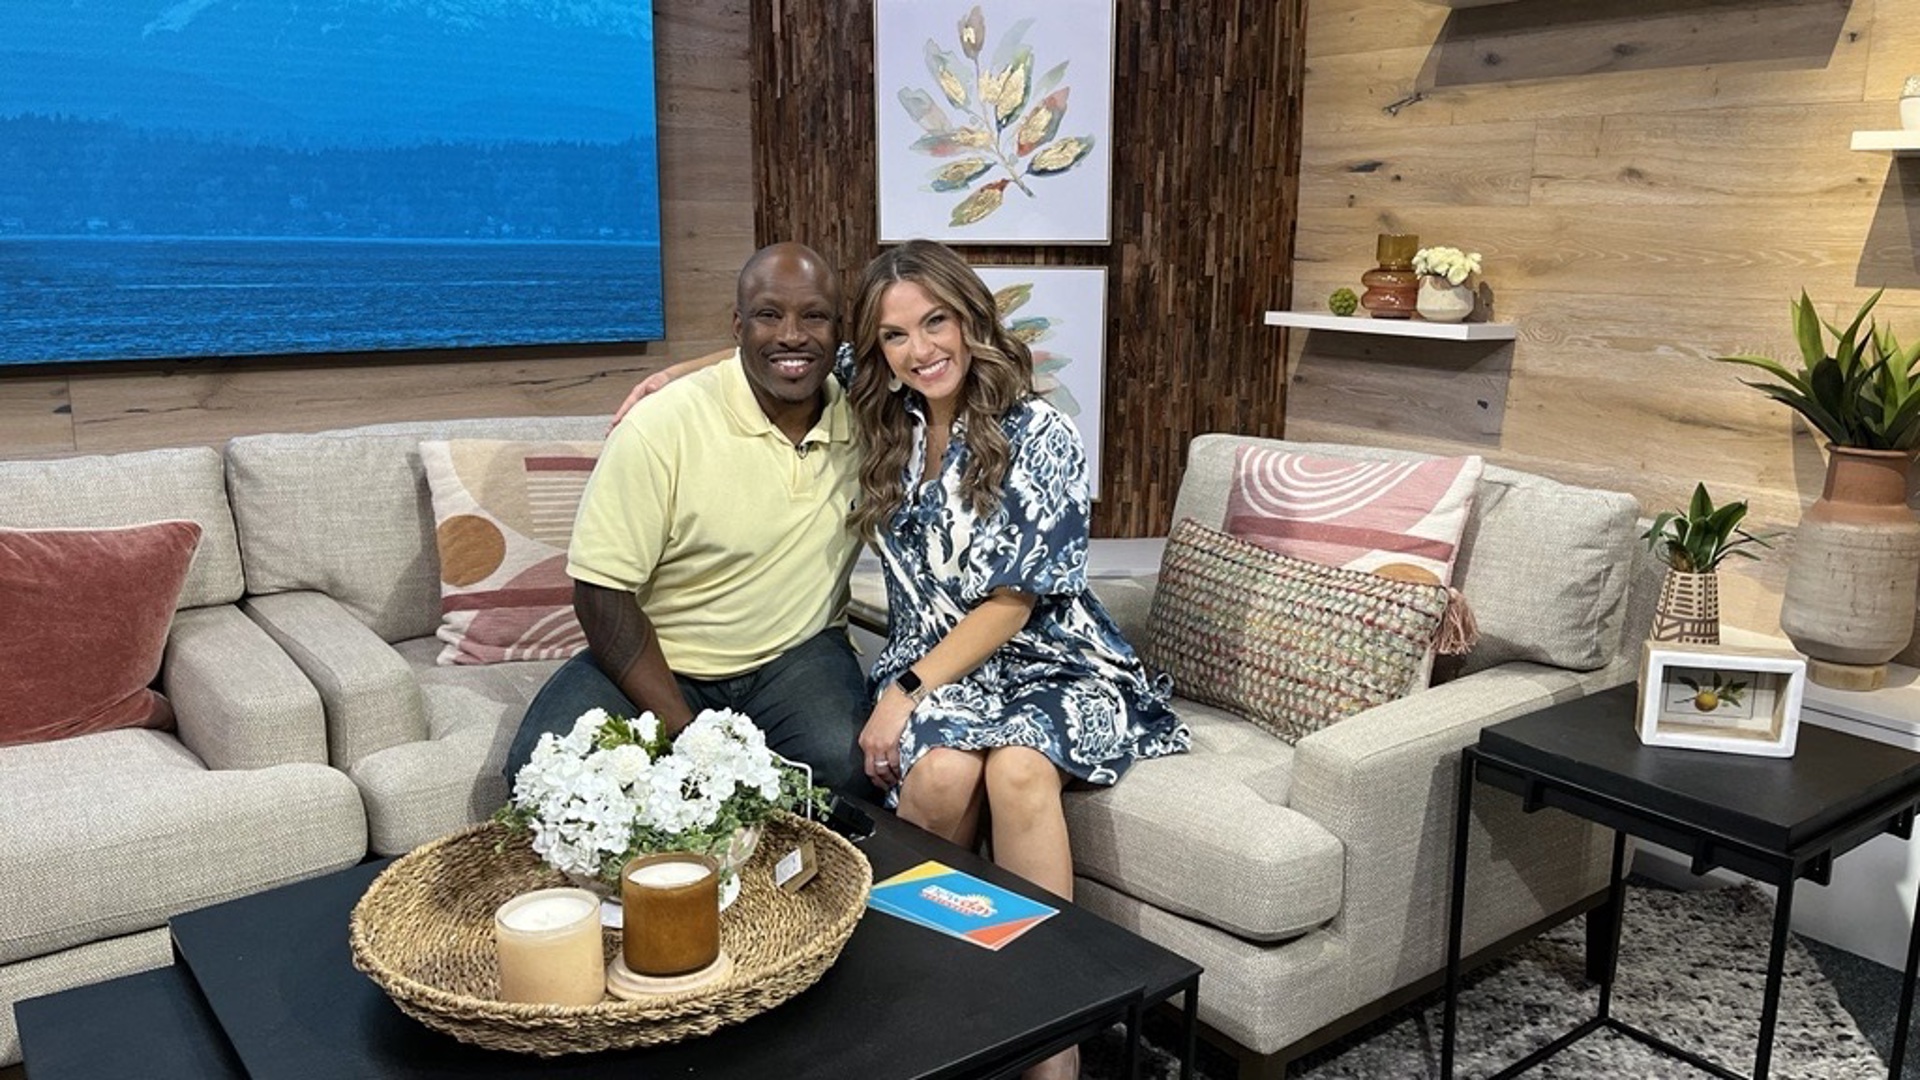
748, 418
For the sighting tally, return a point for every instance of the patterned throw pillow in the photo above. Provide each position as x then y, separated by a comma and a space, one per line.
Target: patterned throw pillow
502, 515
84, 619
1399, 519
1291, 645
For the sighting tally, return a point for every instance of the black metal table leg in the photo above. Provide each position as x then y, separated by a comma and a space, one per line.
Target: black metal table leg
1897, 1064
1616, 910
1190, 1027
1776, 961
1456, 915
1130, 1065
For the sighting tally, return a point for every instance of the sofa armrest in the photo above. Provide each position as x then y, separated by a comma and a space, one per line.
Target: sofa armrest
239, 702
371, 696
1386, 783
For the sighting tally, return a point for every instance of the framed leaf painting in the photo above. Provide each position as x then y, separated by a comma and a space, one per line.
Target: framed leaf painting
1061, 313
994, 120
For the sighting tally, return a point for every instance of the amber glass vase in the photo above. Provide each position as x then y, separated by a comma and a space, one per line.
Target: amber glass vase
1392, 287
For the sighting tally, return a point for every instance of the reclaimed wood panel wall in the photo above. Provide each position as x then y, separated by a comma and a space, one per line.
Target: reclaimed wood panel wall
1206, 122
707, 231
1651, 182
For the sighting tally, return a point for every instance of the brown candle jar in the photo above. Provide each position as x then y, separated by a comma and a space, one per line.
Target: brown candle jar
1393, 289
670, 908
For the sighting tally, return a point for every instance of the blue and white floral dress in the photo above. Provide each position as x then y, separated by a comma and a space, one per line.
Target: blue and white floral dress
1067, 684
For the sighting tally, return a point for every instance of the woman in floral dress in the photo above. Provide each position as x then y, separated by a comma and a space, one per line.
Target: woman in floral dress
1003, 678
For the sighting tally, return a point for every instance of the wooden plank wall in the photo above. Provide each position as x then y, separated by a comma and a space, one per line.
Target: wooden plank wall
1651, 182
1207, 115
707, 226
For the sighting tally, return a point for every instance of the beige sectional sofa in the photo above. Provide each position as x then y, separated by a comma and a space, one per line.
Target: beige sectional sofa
104, 836
1311, 881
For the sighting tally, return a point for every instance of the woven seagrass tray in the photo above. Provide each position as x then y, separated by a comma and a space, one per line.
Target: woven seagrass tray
424, 933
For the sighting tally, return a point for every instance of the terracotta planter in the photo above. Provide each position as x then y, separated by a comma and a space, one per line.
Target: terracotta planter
1854, 569
1688, 610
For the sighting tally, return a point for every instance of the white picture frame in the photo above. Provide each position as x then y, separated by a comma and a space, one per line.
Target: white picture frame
1721, 698
1036, 168
1061, 313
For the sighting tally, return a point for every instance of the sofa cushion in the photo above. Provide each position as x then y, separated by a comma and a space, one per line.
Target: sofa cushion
348, 513
503, 513
1546, 564
1399, 519
417, 791
84, 625
1258, 869
1291, 645
113, 833
183, 484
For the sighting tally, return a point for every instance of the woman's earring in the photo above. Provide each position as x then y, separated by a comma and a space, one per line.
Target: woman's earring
893, 384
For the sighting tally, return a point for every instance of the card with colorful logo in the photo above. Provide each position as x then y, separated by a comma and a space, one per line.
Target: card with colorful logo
941, 898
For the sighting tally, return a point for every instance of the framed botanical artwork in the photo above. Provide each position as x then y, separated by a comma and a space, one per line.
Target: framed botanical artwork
1719, 697
1061, 313
994, 120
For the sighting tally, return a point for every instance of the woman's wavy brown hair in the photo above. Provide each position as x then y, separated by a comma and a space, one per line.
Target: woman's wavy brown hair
999, 375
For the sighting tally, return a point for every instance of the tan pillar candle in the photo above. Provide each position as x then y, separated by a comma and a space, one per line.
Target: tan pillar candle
549, 948
670, 913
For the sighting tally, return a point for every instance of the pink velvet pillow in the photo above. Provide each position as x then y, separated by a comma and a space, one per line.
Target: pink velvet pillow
84, 626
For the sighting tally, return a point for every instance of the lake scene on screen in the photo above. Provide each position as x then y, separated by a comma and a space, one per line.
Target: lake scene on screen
203, 178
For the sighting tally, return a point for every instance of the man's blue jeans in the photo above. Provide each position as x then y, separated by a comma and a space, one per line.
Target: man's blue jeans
811, 701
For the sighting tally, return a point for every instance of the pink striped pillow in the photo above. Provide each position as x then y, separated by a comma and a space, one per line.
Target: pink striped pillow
502, 515
1398, 519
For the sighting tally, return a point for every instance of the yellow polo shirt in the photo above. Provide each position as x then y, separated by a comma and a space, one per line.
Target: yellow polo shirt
733, 540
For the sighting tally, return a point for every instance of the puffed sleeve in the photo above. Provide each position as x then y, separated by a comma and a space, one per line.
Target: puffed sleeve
1036, 541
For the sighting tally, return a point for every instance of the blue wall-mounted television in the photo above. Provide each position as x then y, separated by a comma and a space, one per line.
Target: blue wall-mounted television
195, 178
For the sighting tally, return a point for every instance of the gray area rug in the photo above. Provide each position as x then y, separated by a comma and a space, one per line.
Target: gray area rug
1692, 970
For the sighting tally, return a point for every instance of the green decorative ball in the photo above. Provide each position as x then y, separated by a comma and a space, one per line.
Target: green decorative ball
1343, 302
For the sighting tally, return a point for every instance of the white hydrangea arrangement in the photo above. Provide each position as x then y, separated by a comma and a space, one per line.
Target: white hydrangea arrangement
614, 788
1447, 262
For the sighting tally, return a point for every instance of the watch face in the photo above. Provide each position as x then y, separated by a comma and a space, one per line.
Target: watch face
909, 681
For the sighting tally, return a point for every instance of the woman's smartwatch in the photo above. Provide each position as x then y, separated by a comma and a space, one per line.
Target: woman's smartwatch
910, 685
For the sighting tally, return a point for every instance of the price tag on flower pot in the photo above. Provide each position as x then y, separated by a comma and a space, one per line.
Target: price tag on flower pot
796, 868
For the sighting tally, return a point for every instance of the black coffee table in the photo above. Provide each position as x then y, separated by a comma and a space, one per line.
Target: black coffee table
265, 987
1776, 820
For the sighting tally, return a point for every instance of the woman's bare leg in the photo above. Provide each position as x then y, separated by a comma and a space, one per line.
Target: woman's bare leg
943, 792
1030, 839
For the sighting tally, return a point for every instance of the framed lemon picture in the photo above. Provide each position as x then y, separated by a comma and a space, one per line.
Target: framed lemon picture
1721, 698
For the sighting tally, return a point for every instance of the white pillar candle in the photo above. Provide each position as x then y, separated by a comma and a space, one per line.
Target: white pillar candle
667, 875
548, 944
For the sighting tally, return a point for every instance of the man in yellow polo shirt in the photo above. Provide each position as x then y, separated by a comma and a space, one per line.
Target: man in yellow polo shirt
711, 553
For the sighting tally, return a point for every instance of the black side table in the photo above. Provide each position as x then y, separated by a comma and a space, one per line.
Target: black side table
1776, 820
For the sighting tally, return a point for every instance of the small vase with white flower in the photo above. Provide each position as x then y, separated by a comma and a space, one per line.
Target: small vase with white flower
1446, 293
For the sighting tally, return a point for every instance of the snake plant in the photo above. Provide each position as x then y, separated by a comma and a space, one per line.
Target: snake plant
1862, 394
1694, 541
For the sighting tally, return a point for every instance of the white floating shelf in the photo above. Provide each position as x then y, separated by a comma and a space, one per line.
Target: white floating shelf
1897, 142
1418, 328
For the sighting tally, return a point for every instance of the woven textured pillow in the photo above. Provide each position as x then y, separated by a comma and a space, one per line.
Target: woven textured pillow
502, 514
1289, 644
84, 618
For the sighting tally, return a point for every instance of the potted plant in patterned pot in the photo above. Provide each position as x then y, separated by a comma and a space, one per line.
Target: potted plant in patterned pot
1693, 541
1851, 579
